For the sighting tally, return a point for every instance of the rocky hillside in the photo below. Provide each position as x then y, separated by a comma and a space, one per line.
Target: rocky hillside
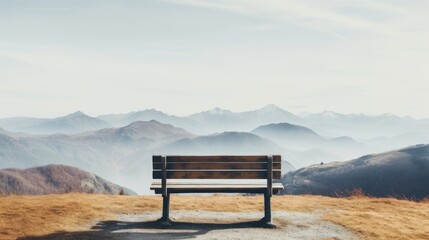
54, 179
401, 173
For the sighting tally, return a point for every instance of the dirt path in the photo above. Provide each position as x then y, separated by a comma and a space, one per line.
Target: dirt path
212, 225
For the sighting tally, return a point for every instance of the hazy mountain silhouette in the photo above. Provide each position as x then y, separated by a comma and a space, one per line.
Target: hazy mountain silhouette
405, 139
206, 122
300, 159
137, 132
20, 123
119, 120
227, 143
55, 179
224, 143
271, 114
366, 129
327, 124
220, 120
307, 144
400, 173
73, 123
362, 126
288, 133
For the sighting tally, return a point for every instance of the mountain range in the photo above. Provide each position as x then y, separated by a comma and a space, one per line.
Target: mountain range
123, 154
206, 122
120, 154
119, 146
361, 127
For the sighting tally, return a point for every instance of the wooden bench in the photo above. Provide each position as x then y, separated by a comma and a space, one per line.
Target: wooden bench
216, 174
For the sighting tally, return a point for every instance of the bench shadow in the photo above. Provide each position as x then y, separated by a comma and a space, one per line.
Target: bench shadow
144, 230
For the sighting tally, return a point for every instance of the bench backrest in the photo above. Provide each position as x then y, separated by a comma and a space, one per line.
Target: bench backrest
217, 167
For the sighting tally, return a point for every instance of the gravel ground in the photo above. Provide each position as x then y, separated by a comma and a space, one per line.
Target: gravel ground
211, 225
223, 225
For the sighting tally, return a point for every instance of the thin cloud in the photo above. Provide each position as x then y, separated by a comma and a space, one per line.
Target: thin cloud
323, 16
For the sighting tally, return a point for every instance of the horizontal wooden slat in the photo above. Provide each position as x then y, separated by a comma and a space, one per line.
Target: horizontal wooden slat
199, 186
259, 158
216, 174
212, 181
219, 190
216, 165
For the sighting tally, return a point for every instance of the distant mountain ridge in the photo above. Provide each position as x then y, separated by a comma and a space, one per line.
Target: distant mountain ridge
120, 120
153, 131
20, 123
55, 179
220, 120
210, 121
400, 173
362, 126
271, 114
72, 123
328, 124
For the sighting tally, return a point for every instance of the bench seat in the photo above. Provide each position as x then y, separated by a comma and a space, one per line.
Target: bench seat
214, 186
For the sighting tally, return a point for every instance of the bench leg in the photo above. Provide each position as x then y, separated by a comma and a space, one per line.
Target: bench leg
165, 220
266, 221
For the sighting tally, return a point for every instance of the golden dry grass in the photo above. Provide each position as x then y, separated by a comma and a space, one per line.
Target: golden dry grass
372, 218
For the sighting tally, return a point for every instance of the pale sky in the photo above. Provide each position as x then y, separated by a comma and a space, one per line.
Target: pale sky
184, 56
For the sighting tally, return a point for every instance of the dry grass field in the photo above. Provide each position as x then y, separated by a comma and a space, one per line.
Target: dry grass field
370, 218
